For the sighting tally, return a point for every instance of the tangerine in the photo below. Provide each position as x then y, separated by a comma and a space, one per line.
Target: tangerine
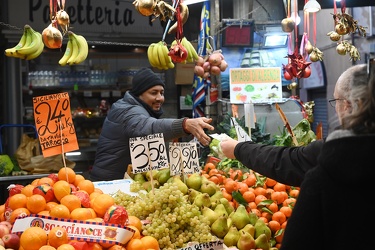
249, 196
61, 188
81, 213
33, 238
86, 185
287, 211
71, 201
79, 178
57, 236
28, 190
17, 201
101, 203
65, 246
47, 247
60, 211
274, 226
279, 216
67, 174
50, 205
135, 244
150, 242
36, 203
46, 180
18, 212
137, 233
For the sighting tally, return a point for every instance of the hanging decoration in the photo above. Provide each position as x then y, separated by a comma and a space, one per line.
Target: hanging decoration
155, 8
297, 66
288, 23
345, 24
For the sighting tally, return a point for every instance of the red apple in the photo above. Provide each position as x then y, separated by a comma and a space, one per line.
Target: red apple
11, 241
53, 176
6, 223
4, 229
14, 189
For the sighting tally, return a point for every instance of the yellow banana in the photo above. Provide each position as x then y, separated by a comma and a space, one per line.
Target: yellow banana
155, 56
68, 52
34, 45
163, 62
168, 59
192, 50
37, 52
150, 55
75, 48
187, 46
83, 48
12, 52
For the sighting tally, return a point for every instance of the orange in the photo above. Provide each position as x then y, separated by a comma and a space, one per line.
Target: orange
260, 191
34, 182
294, 193
266, 215
208, 166
71, 201
250, 180
67, 174
61, 188
33, 238
150, 242
28, 190
17, 201
47, 247
289, 202
260, 198
86, 185
46, 180
226, 195
98, 190
79, 178
274, 226
279, 187
137, 233
36, 203
135, 244
2, 208
287, 211
50, 205
279, 217
273, 207
101, 203
135, 221
65, 247
278, 197
57, 236
270, 182
94, 246
231, 185
93, 195
18, 212
44, 212
242, 187
81, 213
116, 247
60, 211
249, 196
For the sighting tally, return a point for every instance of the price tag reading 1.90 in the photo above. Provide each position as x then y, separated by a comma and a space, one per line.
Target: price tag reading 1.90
148, 153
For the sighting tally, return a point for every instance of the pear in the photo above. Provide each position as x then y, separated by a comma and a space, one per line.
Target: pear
180, 184
240, 217
253, 218
232, 237
139, 178
229, 222
262, 243
220, 209
246, 241
153, 172
163, 175
262, 228
210, 214
220, 227
147, 185
192, 193
194, 181
217, 196
250, 229
202, 200
227, 205
209, 187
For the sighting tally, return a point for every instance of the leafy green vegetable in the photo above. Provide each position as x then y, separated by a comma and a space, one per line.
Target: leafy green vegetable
6, 165
302, 132
249, 88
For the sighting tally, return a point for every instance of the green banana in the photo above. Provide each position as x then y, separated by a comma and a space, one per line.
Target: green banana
33, 45
12, 52
37, 52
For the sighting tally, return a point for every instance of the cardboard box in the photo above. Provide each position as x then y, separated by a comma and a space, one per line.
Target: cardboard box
184, 73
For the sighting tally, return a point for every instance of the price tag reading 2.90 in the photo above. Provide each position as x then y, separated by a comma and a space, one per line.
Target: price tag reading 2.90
148, 152
183, 158
54, 124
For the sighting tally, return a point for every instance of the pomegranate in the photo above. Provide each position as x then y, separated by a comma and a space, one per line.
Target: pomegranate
287, 24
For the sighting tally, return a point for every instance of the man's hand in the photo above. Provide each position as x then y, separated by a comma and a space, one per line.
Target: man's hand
196, 127
227, 147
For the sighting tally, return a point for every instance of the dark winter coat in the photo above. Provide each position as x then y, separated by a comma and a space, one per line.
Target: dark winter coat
287, 165
333, 208
126, 119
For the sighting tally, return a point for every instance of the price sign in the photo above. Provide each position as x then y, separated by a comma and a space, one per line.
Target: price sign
241, 133
212, 245
148, 153
54, 124
183, 158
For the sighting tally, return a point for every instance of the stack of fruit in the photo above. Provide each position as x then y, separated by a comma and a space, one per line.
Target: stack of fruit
65, 195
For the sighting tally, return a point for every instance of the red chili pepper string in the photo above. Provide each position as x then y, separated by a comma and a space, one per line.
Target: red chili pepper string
343, 6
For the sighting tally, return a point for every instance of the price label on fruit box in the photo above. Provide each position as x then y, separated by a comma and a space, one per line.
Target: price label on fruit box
183, 157
148, 153
54, 124
211, 245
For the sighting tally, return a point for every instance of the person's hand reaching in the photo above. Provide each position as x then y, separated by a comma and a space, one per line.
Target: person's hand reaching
196, 127
227, 147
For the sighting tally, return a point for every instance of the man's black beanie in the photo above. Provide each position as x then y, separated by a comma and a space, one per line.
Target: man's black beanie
144, 79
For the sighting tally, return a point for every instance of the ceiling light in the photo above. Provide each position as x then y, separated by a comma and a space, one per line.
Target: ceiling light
312, 6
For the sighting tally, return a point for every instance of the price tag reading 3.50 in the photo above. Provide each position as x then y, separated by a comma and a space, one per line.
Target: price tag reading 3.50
148, 153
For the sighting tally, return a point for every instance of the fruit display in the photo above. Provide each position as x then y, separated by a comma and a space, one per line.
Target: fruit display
30, 45
157, 54
62, 197
211, 64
